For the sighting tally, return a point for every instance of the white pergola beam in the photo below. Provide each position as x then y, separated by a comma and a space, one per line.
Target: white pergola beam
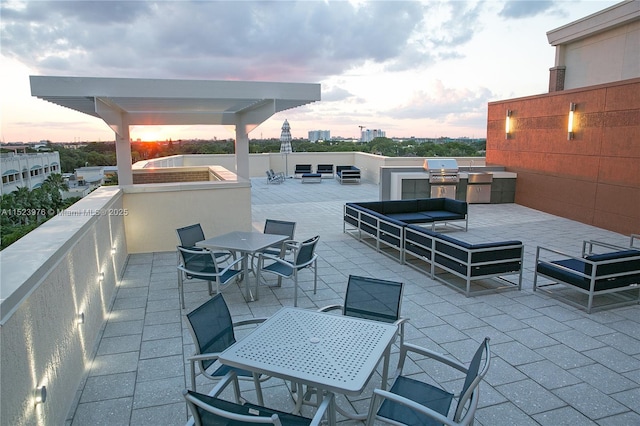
123, 102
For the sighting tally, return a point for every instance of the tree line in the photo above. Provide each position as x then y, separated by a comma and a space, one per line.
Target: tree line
104, 153
23, 210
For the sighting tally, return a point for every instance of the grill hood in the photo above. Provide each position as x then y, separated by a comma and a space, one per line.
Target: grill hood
441, 165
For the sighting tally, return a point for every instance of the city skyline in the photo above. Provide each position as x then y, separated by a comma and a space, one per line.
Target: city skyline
423, 69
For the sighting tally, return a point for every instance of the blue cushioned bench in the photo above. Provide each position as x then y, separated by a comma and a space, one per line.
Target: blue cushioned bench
615, 273
311, 178
469, 268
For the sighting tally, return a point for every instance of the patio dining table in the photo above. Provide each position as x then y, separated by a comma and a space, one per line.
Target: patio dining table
326, 352
246, 243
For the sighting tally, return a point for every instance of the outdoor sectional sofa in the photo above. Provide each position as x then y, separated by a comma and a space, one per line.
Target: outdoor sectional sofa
348, 174
615, 273
392, 228
381, 223
302, 169
458, 264
325, 170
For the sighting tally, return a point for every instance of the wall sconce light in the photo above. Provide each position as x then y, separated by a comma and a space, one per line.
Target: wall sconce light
507, 124
570, 134
80, 318
40, 395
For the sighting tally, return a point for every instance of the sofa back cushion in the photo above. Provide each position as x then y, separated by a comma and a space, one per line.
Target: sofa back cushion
341, 168
430, 204
375, 206
619, 264
399, 206
455, 206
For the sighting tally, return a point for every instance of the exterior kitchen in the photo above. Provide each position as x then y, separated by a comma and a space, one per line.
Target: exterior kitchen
474, 182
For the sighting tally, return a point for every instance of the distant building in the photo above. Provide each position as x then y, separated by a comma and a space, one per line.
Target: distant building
85, 179
370, 134
27, 170
319, 135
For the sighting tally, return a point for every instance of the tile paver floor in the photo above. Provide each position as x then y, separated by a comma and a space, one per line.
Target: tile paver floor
553, 364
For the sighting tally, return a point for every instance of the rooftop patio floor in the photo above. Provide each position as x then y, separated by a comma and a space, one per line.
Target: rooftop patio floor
553, 364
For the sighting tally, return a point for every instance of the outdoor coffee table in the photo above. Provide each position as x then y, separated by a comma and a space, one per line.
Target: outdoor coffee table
246, 243
327, 352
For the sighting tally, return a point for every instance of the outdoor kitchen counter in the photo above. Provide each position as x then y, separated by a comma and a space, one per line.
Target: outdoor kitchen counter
415, 184
496, 174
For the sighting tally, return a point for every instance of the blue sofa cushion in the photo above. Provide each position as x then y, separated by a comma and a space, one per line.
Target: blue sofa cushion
456, 206
399, 206
416, 217
430, 204
616, 267
426, 231
375, 206
442, 215
566, 271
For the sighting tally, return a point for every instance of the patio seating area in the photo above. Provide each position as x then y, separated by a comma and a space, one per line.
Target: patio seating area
551, 363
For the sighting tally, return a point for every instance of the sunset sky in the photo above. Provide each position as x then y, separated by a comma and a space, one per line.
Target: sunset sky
424, 69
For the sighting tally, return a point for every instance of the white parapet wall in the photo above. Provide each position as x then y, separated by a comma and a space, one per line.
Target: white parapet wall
68, 266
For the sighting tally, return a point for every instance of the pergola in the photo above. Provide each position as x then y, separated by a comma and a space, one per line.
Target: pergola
124, 102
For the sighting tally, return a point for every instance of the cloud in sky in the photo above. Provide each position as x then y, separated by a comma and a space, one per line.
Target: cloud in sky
385, 62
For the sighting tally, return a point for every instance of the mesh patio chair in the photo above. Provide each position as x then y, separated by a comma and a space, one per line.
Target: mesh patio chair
210, 410
413, 402
273, 177
204, 265
278, 227
212, 330
304, 256
374, 299
192, 234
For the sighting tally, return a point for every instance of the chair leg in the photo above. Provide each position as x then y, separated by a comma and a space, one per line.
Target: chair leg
295, 289
236, 389
181, 289
193, 375
315, 276
256, 381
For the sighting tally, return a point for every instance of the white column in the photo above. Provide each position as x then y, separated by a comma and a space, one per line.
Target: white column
242, 150
123, 156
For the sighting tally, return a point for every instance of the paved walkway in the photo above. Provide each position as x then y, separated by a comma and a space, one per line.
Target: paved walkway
552, 365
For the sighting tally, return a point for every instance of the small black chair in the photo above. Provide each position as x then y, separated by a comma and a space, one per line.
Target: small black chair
204, 265
413, 402
210, 410
304, 257
278, 227
212, 330
192, 234
374, 299
273, 177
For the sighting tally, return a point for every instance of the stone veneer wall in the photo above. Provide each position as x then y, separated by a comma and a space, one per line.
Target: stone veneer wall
167, 176
593, 178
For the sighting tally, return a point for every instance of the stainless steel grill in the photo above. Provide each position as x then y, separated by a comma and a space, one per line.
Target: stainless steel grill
443, 177
442, 170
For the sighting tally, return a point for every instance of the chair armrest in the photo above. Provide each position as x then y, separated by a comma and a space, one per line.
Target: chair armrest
379, 394
304, 265
587, 247
322, 410
249, 322
232, 264
408, 347
263, 256
203, 357
541, 249
330, 308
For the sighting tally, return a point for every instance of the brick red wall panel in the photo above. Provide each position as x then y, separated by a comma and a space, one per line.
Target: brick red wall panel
593, 178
